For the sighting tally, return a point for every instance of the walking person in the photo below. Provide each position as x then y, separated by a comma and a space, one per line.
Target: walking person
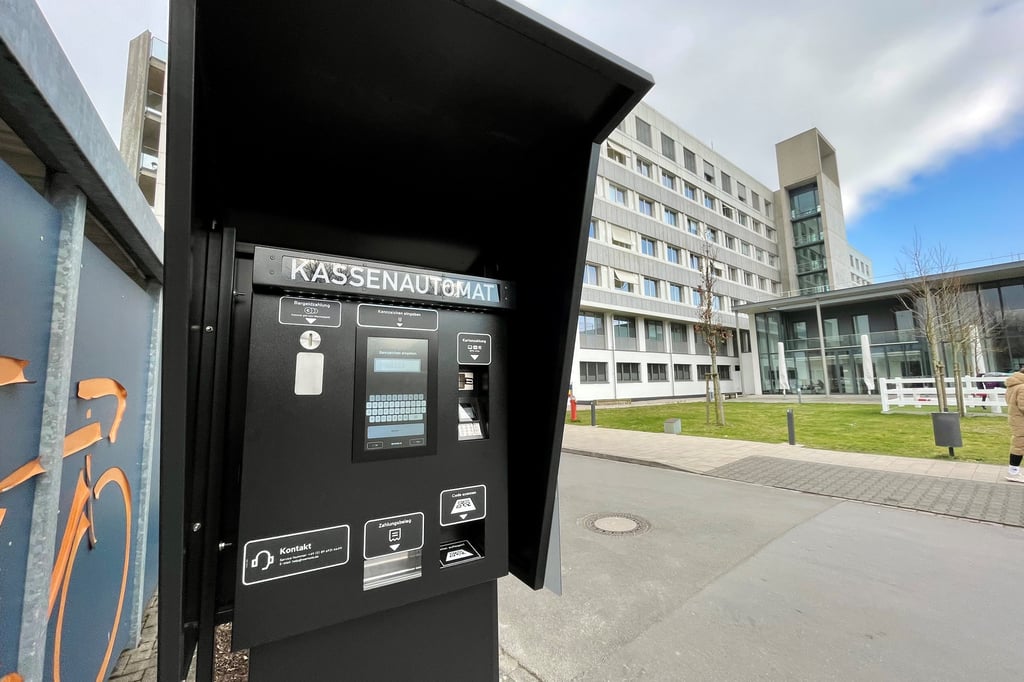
1015, 405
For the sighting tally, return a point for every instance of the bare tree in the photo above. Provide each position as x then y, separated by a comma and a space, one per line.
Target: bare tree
713, 332
934, 299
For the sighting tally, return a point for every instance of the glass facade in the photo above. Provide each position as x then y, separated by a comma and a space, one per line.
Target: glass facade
897, 347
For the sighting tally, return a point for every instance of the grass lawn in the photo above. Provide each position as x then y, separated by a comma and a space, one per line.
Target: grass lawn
842, 427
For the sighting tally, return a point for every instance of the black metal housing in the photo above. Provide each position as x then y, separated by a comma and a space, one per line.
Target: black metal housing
455, 135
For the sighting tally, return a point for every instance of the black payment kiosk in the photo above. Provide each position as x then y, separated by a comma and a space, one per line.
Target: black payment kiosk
376, 231
374, 454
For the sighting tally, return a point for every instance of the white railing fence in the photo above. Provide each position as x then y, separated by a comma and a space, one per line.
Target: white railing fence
920, 391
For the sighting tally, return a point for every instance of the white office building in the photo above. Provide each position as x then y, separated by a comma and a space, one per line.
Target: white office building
662, 197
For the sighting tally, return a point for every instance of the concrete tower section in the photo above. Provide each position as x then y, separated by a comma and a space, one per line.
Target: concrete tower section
814, 252
142, 131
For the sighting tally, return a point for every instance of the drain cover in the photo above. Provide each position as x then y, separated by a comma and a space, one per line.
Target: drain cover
616, 523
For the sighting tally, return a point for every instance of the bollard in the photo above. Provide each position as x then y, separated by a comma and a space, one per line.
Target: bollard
593, 413
792, 430
572, 411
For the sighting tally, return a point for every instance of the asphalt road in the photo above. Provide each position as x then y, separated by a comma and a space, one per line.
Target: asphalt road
736, 581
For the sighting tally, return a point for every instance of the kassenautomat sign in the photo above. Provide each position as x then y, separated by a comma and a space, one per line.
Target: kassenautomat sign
298, 271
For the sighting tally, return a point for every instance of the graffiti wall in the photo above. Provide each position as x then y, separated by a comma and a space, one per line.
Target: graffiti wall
30, 228
97, 575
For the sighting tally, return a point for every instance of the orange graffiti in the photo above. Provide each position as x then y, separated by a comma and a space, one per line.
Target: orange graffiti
97, 388
12, 371
17, 477
80, 518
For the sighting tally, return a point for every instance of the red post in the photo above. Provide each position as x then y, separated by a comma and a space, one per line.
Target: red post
572, 406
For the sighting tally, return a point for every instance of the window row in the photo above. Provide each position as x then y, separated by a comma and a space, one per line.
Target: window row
680, 338
627, 239
648, 207
629, 372
707, 172
634, 283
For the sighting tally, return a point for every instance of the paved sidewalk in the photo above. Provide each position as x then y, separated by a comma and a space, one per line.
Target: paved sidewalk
962, 489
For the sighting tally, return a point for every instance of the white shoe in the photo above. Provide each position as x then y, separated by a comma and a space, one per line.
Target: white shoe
1016, 478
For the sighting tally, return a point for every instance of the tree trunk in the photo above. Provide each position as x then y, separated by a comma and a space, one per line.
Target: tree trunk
958, 381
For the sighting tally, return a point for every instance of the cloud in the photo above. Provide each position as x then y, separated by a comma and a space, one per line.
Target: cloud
900, 88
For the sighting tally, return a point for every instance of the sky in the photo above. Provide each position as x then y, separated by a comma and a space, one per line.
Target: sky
923, 100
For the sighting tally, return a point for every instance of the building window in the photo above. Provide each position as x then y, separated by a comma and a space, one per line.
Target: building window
672, 254
726, 182
627, 372
745, 249
755, 200
690, 192
695, 261
695, 298
711, 235
643, 131
768, 208
622, 237
671, 217
689, 160
675, 293
655, 336
657, 372
669, 180
770, 233
741, 191
709, 201
591, 330
703, 372
734, 274
643, 167
668, 147
680, 341
730, 242
616, 155
724, 372
727, 211
682, 372
741, 218
646, 206
647, 246
748, 279
616, 194
590, 274
593, 229
760, 255
625, 281
692, 226
709, 172
803, 202
624, 331
650, 287
593, 372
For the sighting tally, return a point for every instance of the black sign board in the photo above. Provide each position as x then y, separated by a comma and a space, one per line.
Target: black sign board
309, 312
392, 534
284, 556
462, 505
474, 349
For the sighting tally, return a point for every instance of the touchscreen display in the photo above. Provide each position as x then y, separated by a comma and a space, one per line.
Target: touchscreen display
396, 392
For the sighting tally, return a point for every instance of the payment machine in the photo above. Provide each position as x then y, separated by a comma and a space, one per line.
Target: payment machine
374, 455
375, 239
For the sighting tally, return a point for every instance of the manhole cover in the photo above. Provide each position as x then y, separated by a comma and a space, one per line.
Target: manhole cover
616, 523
